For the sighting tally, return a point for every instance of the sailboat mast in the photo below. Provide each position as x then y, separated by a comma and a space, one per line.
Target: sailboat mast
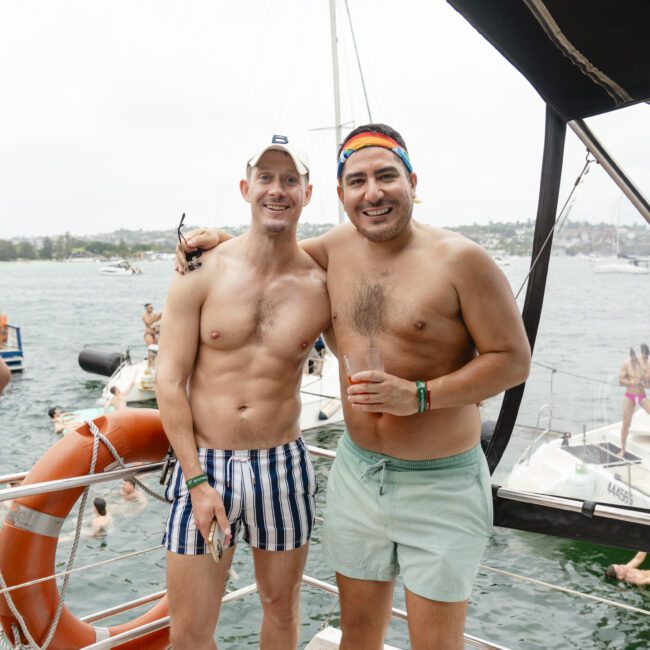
335, 75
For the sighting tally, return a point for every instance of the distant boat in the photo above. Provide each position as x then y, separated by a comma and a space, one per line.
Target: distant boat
11, 347
122, 268
623, 263
632, 265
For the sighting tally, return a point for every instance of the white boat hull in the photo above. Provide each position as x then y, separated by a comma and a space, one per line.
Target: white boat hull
622, 268
320, 394
590, 469
118, 272
122, 268
143, 388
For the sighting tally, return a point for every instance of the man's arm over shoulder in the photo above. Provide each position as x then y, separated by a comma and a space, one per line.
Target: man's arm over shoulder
492, 318
199, 239
320, 247
316, 248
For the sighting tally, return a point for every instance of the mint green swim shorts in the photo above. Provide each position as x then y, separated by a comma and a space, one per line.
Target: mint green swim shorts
427, 520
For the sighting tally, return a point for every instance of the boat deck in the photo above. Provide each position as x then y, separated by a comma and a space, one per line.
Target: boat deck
605, 454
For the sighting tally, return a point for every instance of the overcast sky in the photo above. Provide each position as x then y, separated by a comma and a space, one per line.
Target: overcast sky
125, 114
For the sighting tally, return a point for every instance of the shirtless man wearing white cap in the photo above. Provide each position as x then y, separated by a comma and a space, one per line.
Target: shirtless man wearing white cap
235, 336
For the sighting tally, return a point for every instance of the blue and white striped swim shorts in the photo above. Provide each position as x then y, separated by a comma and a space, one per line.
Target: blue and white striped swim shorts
269, 493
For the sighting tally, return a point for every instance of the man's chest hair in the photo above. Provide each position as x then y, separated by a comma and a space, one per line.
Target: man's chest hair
367, 307
374, 306
244, 313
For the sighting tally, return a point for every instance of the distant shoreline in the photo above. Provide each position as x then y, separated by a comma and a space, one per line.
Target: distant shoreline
503, 238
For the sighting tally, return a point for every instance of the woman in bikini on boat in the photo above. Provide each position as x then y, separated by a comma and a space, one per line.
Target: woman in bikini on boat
635, 377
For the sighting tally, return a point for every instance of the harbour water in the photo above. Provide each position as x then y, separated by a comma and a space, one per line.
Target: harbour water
62, 307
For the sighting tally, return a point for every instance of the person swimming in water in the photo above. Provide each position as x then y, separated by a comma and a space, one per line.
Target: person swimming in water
101, 519
63, 423
630, 572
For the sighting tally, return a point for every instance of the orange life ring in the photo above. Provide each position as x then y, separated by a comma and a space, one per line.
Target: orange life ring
25, 555
4, 328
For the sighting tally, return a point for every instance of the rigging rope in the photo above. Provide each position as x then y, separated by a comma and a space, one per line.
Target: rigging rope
573, 592
557, 223
356, 51
573, 374
306, 392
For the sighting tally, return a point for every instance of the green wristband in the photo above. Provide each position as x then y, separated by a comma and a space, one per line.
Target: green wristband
422, 395
197, 480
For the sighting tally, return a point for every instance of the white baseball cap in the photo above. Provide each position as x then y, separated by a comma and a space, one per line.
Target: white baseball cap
281, 143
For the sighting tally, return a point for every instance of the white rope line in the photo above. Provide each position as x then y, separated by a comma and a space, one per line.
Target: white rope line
66, 579
98, 434
20, 619
97, 437
75, 545
79, 569
556, 225
573, 592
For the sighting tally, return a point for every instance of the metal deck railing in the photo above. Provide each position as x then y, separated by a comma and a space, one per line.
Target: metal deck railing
147, 468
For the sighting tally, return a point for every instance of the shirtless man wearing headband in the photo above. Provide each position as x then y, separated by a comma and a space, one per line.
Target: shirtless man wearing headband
409, 491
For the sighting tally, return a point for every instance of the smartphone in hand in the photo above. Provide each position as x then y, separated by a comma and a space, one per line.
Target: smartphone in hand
215, 541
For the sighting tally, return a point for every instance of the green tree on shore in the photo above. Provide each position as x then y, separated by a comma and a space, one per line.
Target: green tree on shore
47, 250
7, 251
25, 250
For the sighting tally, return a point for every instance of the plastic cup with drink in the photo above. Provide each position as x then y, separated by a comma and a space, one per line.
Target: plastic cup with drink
367, 359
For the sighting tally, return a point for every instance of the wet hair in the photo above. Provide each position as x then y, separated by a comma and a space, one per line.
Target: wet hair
384, 129
100, 504
632, 352
112, 390
52, 411
147, 304
610, 572
130, 480
645, 351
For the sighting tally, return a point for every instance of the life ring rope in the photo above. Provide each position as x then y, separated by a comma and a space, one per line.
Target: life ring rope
97, 437
120, 461
33, 521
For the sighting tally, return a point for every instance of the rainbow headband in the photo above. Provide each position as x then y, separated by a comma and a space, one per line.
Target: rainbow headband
370, 139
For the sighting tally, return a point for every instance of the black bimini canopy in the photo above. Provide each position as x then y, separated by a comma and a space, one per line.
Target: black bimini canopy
584, 57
